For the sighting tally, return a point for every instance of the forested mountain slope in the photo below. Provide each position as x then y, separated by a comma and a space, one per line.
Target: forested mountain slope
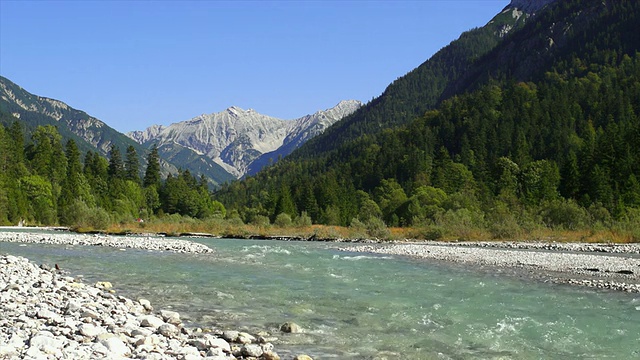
421, 89
559, 149
32, 111
90, 133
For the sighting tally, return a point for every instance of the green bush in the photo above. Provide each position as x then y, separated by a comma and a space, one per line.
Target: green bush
261, 221
461, 223
283, 220
235, 222
376, 228
600, 216
427, 233
98, 218
564, 214
502, 223
303, 220
74, 214
628, 224
358, 229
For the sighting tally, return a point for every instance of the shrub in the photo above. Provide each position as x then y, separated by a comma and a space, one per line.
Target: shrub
600, 215
283, 220
564, 214
98, 218
502, 222
628, 224
376, 228
358, 229
303, 220
261, 221
235, 222
461, 222
426, 233
74, 214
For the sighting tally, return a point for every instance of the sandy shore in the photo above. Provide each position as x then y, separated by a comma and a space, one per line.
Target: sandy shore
606, 266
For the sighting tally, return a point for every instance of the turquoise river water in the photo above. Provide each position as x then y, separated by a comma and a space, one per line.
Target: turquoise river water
355, 306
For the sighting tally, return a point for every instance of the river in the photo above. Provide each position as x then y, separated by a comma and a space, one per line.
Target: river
355, 306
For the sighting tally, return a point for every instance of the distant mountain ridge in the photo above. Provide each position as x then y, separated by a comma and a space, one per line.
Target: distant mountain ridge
242, 141
222, 146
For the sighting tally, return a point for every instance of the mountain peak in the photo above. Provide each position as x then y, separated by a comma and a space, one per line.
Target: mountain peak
234, 138
235, 110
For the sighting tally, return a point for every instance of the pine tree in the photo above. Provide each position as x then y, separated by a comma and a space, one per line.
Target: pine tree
116, 166
152, 173
132, 165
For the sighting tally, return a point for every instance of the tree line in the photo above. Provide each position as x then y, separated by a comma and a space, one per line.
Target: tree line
44, 182
562, 152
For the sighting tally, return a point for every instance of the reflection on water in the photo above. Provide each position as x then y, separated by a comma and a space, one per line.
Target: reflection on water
355, 306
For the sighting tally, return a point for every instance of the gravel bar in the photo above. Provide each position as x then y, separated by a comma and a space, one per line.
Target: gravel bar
551, 246
130, 242
605, 266
47, 315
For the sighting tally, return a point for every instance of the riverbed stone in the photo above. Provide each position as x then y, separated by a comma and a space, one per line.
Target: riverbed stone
85, 322
8, 351
252, 350
171, 317
245, 338
115, 346
106, 285
138, 331
88, 313
150, 321
290, 327
146, 304
90, 330
220, 344
303, 357
230, 335
270, 355
168, 330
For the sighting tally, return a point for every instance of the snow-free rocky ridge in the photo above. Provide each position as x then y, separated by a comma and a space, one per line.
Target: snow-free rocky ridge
243, 141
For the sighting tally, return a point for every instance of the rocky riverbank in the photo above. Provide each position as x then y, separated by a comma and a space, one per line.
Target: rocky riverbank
605, 266
610, 248
129, 242
47, 315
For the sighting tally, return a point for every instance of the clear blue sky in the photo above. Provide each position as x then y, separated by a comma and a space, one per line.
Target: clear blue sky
137, 63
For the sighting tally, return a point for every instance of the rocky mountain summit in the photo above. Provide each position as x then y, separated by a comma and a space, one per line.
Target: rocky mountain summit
243, 141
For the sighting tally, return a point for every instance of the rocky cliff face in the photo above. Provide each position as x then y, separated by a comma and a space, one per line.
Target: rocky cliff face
236, 138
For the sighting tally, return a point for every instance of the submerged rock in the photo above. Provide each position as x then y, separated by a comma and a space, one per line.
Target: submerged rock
290, 327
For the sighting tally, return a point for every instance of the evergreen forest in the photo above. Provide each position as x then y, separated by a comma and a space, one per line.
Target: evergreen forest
557, 146
47, 182
491, 138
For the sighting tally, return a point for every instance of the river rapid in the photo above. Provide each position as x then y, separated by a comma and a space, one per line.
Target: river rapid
361, 306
